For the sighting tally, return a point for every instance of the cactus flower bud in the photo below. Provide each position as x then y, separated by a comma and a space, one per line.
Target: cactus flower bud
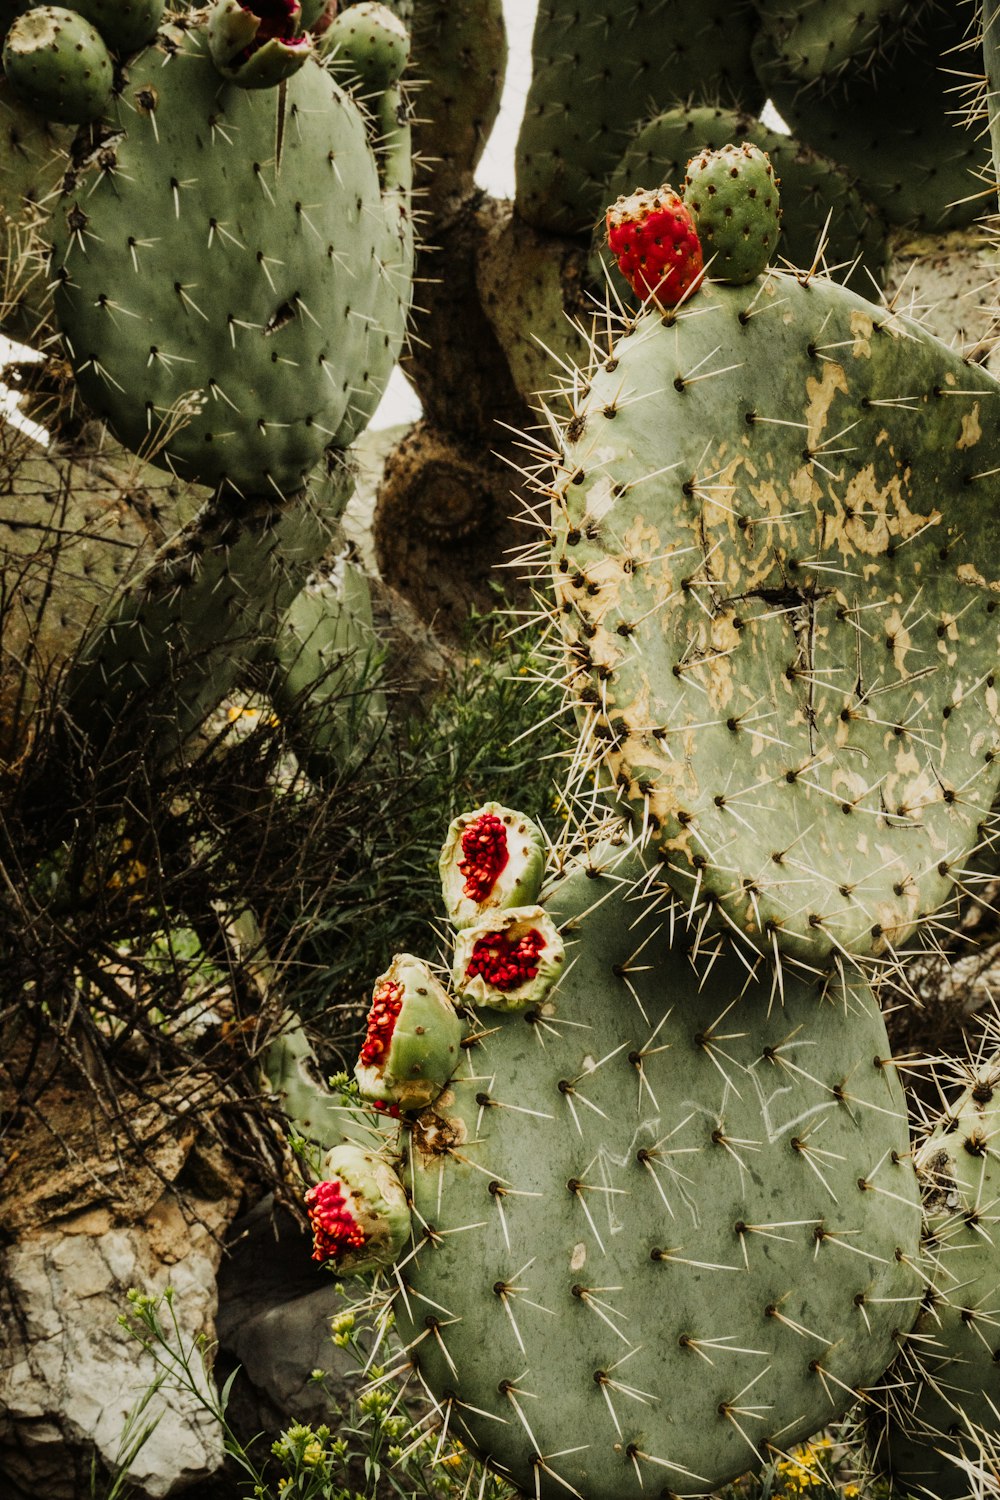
414, 1035
509, 960
492, 859
56, 62
359, 1214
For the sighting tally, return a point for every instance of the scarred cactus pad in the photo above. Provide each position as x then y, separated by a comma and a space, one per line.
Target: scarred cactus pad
776, 571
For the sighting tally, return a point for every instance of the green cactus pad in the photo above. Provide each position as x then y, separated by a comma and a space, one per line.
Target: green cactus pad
597, 71
58, 64
939, 1434
820, 203
820, 38
192, 621
734, 200
366, 46
897, 127
776, 577
414, 1036
232, 282
326, 659
33, 159
493, 858
508, 960
671, 1221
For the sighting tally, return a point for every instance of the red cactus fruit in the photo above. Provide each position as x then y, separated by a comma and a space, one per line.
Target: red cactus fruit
653, 238
506, 962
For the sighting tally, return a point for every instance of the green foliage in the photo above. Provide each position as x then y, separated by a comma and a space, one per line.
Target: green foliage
431, 765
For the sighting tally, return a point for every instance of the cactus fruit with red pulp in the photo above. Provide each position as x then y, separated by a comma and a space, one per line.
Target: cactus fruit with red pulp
508, 960
652, 237
492, 859
413, 1042
259, 44
359, 1214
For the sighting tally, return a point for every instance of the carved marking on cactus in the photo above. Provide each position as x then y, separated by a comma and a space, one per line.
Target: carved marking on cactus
578, 1257
971, 428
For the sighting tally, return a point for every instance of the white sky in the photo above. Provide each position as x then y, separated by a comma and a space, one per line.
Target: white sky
495, 174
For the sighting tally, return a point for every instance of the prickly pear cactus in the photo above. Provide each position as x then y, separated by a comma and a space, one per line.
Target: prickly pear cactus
939, 1430
897, 124
775, 525
821, 205
232, 276
596, 70
821, 38
57, 63
324, 663
665, 1218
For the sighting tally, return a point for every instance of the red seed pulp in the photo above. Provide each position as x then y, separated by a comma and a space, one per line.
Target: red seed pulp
504, 962
335, 1229
484, 845
386, 1002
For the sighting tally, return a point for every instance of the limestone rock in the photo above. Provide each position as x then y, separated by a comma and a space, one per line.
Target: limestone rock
95, 1202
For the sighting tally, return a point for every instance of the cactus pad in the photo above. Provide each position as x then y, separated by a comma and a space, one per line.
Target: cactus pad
776, 576
597, 70
232, 283
941, 1435
670, 1225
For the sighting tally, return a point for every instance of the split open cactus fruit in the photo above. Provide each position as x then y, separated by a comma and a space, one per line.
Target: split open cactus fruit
686, 1194
776, 561
508, 959
358, 1211
413, 1040
492, 858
